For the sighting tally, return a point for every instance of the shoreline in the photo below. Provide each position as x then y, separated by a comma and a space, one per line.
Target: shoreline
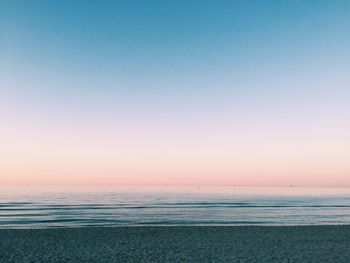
156, 225
177, 244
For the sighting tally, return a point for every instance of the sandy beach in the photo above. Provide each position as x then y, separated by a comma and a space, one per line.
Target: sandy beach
177, 244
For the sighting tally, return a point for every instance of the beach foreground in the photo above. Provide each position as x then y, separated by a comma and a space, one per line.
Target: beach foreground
177, 244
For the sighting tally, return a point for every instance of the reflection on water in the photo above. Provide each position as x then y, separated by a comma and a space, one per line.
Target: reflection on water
47, 206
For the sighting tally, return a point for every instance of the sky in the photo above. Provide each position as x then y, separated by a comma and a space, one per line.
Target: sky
180, 92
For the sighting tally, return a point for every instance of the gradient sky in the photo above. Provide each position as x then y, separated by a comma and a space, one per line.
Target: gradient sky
175, 92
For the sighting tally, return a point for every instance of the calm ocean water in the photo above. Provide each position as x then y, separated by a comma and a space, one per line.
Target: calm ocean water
42, 207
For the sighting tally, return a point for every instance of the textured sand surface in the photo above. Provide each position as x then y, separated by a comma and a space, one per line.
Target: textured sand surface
177, 244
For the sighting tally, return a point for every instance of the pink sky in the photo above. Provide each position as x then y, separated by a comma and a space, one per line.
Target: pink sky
260, 155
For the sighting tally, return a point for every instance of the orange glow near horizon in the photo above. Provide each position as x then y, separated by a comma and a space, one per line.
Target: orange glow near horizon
236, 159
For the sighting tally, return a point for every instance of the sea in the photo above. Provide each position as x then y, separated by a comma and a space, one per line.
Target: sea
83, 206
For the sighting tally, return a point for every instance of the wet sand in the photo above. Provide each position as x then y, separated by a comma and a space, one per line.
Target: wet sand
177, 244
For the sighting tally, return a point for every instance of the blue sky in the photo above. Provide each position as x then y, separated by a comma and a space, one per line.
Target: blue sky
149, 40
